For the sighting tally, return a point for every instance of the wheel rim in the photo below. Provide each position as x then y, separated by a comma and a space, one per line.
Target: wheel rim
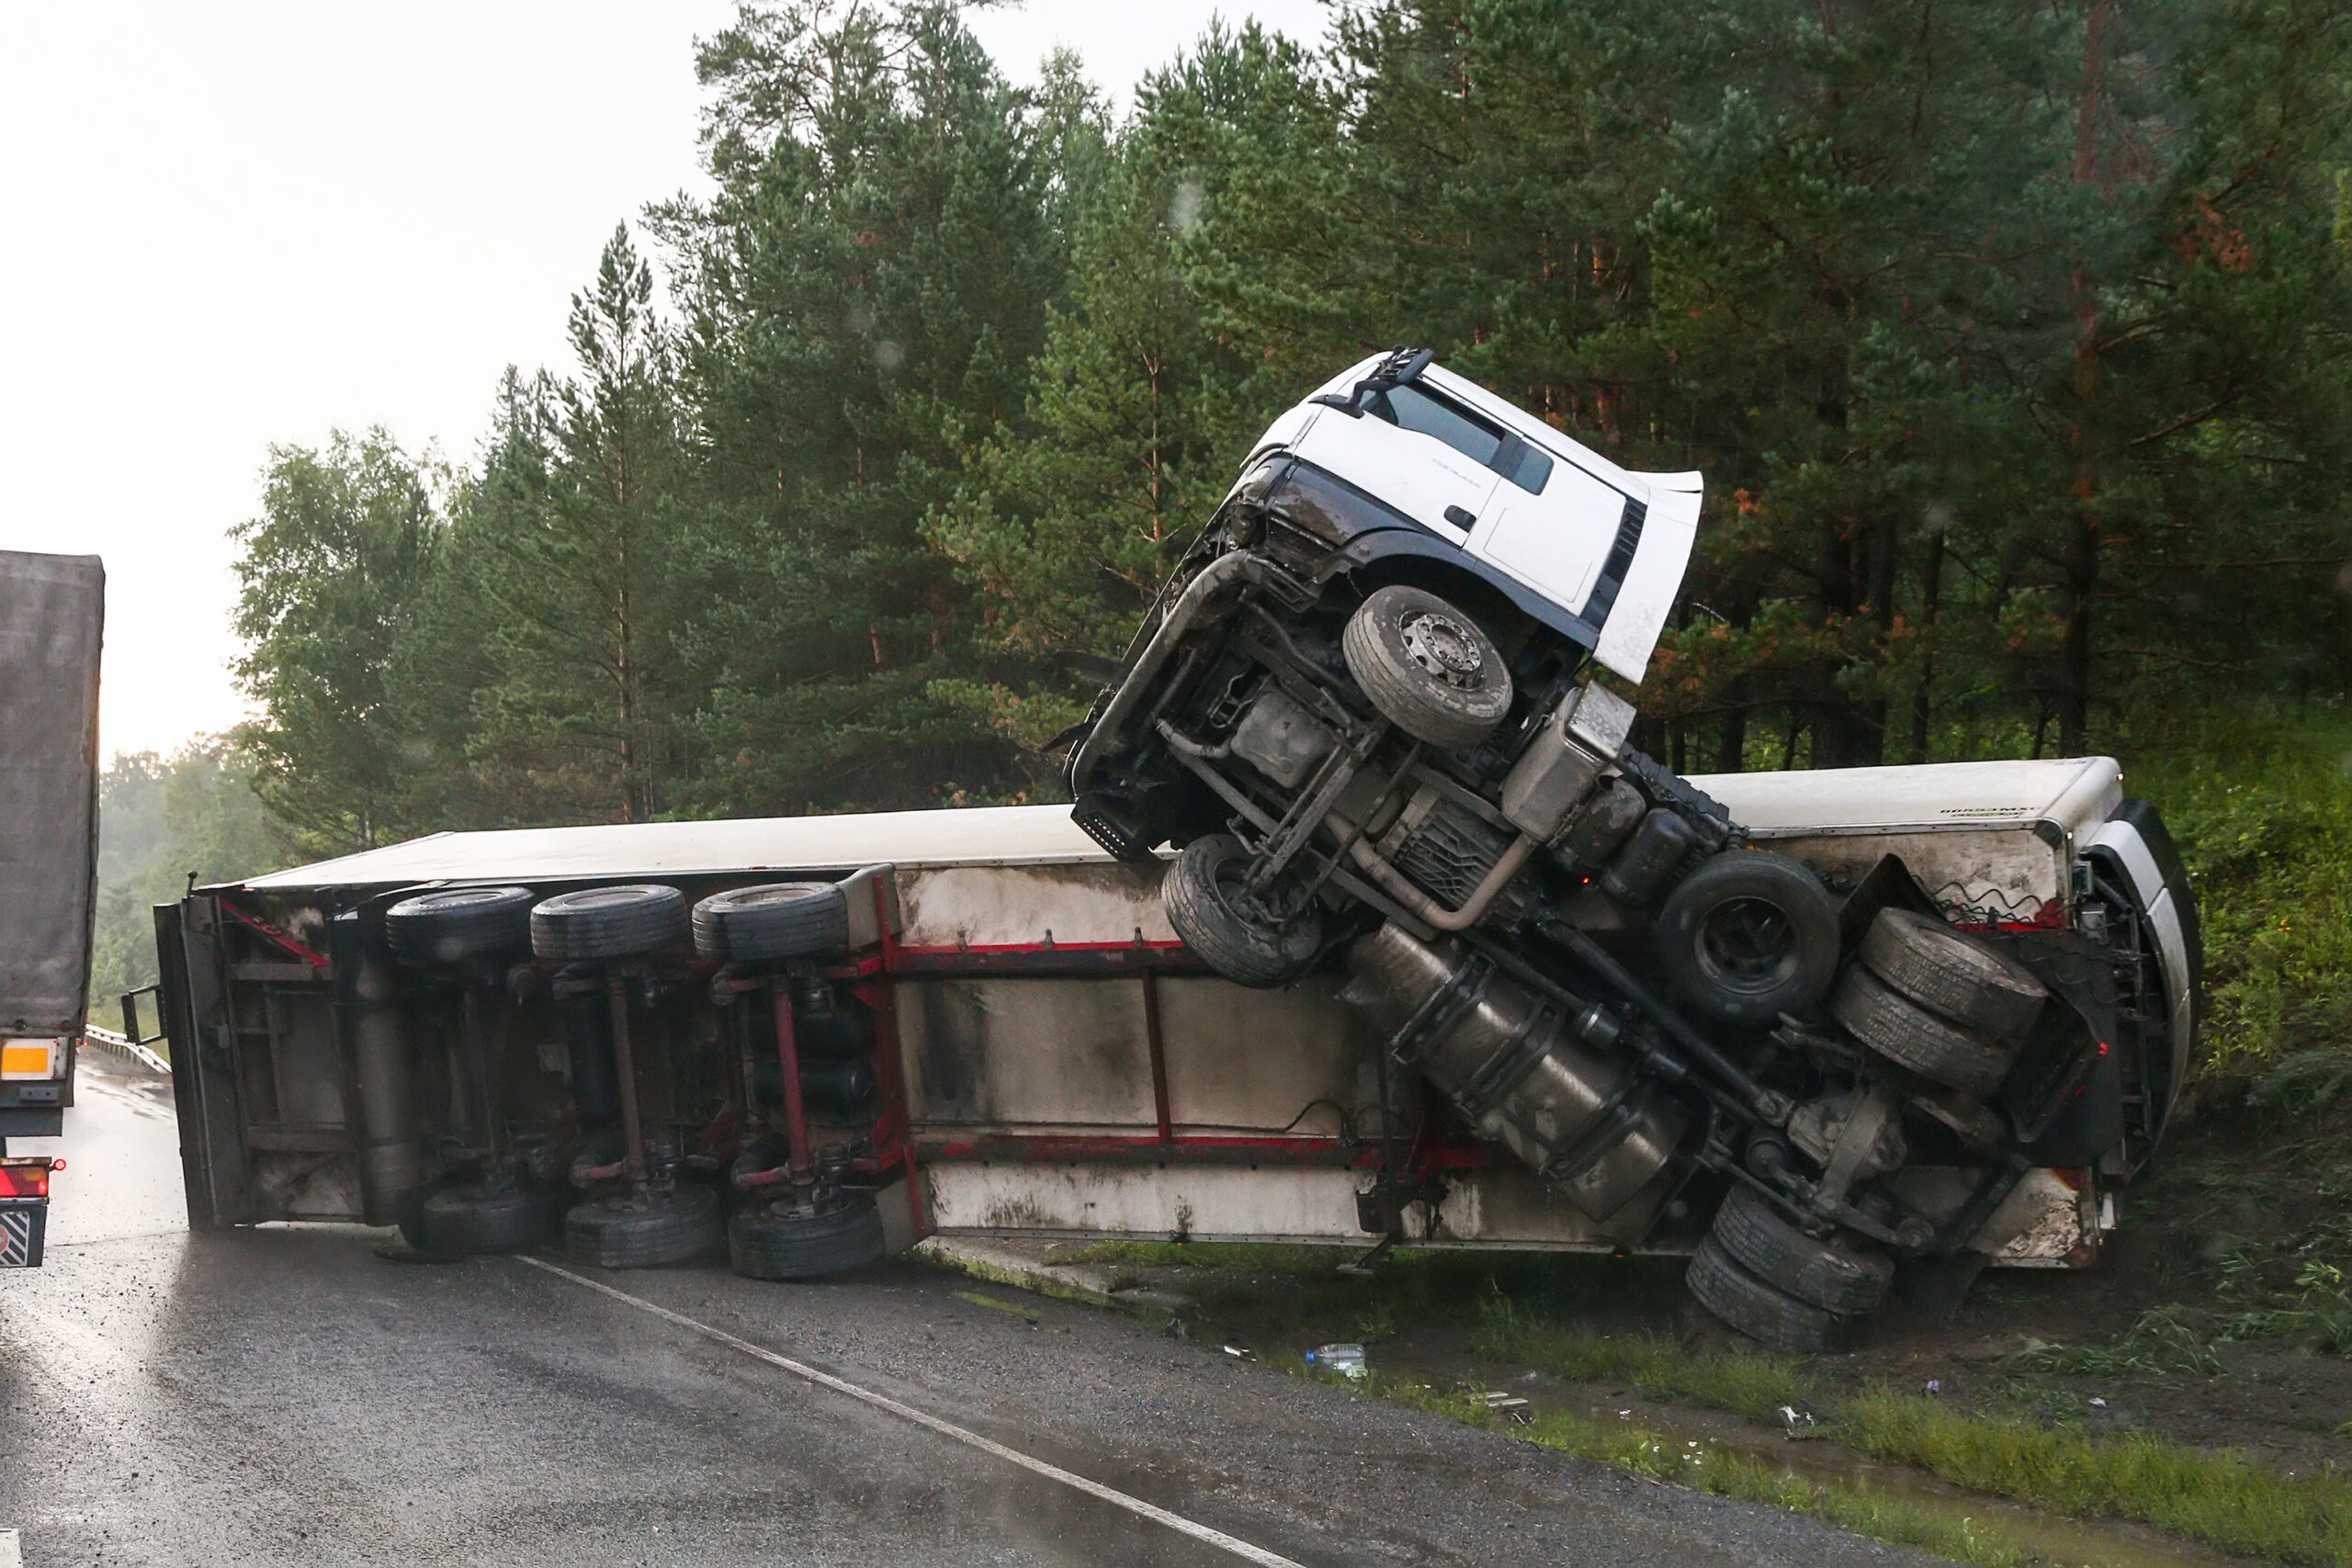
1443, 648
1748, 945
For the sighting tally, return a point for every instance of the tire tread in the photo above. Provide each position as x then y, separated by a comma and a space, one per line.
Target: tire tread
1952, 974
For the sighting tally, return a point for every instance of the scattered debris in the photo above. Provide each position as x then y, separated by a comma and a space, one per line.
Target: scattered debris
1241, 1350
1510, 1404
1347, 1359
1935, 1387
1799, 1422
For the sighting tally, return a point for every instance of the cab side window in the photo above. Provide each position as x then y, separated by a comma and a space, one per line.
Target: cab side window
1409, 408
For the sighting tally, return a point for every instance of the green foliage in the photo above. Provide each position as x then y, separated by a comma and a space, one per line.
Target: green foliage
332, 572
1755, 1385
2221, 1500
1946, 1529
2012, 347
2160, 1339
162, 821
2260, 802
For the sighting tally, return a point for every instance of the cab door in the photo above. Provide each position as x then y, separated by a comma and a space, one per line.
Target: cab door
1551, 526
1432, 482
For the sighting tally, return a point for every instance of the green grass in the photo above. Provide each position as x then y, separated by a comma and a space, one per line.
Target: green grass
1755, 1385
2262, 808
2161, 1340
2218, 1499
1704, 1467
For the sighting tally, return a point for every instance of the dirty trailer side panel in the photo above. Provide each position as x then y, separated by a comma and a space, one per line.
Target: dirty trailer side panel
1052, 1061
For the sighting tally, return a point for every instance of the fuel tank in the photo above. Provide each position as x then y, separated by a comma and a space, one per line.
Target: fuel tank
1527, 1075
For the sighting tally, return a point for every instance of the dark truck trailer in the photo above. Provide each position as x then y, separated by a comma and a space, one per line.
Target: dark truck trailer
52, 614
1001, 1035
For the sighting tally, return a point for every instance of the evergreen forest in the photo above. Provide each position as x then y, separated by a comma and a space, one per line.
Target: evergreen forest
2010, 336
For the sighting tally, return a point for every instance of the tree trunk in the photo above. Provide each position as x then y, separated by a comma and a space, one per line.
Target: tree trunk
1931, 581
1731, 741
2078, 557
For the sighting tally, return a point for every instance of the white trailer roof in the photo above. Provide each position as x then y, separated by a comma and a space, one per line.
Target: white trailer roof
980, 835
2069, 793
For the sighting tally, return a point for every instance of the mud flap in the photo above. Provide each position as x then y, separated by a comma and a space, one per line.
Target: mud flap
23, 1227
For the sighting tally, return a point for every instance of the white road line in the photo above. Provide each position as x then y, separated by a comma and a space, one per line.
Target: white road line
11, 1556
1118, 1500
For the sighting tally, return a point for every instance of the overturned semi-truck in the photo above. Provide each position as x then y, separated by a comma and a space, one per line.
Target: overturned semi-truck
1369, 921
1374, 712
992, 1029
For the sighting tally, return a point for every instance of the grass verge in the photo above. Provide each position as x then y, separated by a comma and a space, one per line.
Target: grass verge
2218, 1500
1702, 1466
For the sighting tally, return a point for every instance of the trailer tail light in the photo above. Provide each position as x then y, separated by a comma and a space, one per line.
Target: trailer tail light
31, 1059
24, 1178
24, 1210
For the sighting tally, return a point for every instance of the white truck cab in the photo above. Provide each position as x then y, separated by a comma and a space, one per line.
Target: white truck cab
1514, 494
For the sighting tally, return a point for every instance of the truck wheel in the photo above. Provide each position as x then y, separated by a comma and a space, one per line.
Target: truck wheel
1771, 1317
774, 1242
1839, 1274
669, 1225
458, 923
1747, 937
1949, 973
1201, 893
1909, 1035
628, 922
779, 920
462, 1221
1427, 667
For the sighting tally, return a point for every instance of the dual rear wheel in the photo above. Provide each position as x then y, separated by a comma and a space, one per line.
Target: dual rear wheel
1938, 1003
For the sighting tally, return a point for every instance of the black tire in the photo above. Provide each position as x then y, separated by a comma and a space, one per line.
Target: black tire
1950, 973
462, 1221
457, 923
626, 921
672, 1224
1909, 1035
774, 1242
1431, 671
1842, 1275
1747, 937
1771, 1317
777, 919
1201, 893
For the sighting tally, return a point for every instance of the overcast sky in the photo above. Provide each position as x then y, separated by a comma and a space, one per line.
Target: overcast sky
228, 225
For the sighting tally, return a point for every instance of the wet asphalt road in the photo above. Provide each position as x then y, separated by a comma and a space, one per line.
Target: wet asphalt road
285, 1395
